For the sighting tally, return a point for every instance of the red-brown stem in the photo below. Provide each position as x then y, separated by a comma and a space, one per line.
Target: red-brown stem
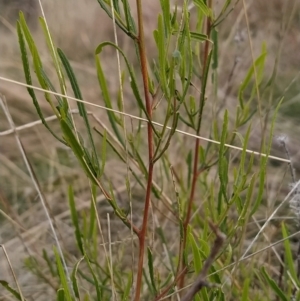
196, 157
143, 231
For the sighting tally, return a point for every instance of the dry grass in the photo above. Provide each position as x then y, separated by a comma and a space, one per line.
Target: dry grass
77, 28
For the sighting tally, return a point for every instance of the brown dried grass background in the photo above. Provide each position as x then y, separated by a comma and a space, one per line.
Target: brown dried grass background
78, 27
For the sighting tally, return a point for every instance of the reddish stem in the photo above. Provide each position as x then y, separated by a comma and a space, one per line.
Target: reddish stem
195, 162
142, 232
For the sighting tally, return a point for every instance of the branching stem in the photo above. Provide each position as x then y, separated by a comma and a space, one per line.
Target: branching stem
196, 153
143, 230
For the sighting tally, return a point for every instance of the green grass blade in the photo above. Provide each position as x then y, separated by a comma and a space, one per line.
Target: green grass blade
263, 163
258, 62
245, 295
75, 220
126, 293
72, 142
274, 286
49, 263
54, 56
60, 295
92, 219
97, 285
15, 293
103, 153
62, 277
288, 255
74, 278
223, 164
106, 97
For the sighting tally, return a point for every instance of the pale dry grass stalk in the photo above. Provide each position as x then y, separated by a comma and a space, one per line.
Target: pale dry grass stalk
61, 216
278, 242
254, 68
37, 187
270, 218
12, 271
60, 75
124, 130
136, 118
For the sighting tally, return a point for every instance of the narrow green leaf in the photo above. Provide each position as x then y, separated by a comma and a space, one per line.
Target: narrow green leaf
26, 69
103, 153
62, 276
161, 44
223, 165
71, 140
129, 19
31, 44
74, 278
274, 286
60, 295
203, 91
92, 217
119, 21
193, 35
49, 263
51, 87
97, 285
75, 220
247, 202
189, 165
201, 4
161, 235
125, 296
116, 6
15, 293
148, 282
198, 36
165, 7
106, 97
196, 253
151, 269
263, 163
258, 62
288, 255
81, 106
215, 55
54, 56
